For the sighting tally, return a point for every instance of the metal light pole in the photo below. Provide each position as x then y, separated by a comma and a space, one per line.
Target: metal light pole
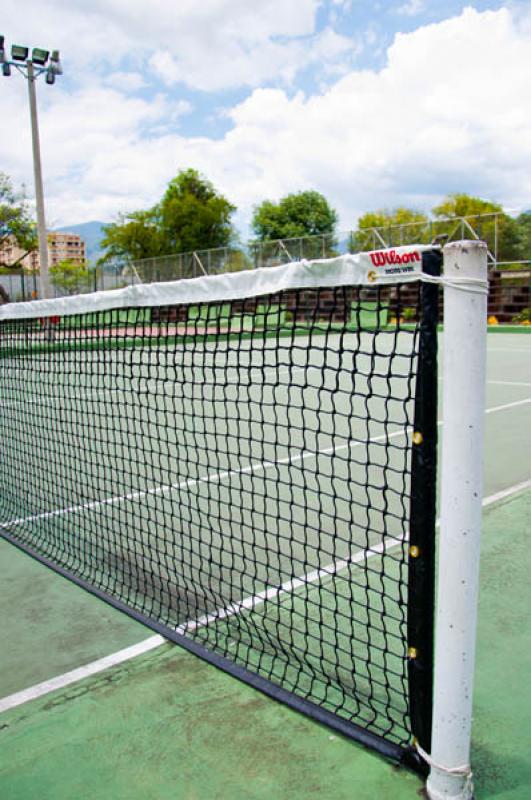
30, 68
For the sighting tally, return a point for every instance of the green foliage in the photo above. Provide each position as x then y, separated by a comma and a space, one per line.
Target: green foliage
501, 232
192, 215
509, 238
237, 261
523, 318
399, 216
16, 223
70, 276
134, 236
464, 205
413, 228
524, 231
409, 314
302, 214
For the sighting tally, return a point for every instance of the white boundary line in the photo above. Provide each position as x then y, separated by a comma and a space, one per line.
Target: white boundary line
289, 586
212, 478
219, 476
508, 350
93, 668
525, 402
331, 569
41, 689
508, 383
505, 493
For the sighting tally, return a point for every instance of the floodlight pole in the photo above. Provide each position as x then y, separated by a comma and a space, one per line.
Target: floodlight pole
30, 68
464, 357
39, 192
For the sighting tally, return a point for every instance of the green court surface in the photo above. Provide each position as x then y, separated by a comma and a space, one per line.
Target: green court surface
192, 477
165, 724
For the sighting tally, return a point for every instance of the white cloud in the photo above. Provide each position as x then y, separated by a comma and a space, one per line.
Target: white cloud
210, 44
126, 81
248, 63
166, 67
411, 8
439, 117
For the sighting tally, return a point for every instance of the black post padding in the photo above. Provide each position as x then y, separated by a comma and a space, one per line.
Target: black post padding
421, 572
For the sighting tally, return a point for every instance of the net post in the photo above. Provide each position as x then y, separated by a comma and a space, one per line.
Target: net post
464, 351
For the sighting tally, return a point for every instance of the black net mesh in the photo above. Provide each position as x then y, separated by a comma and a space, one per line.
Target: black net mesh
239, 474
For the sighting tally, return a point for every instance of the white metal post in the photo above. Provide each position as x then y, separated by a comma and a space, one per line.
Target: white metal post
39, 193
464, 351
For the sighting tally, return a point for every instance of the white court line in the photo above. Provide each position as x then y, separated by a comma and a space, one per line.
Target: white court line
501, 383
330, 570
508, 383
94, 667
508, 405
508, 350
219, 476
213, 478
79, 674
504, 493
284, 588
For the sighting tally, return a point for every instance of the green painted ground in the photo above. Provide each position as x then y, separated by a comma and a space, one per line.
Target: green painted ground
502, 714
50, 626
169, 726
166, 725
183, 479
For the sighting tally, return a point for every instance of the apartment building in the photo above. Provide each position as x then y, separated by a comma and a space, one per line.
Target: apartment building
61, 246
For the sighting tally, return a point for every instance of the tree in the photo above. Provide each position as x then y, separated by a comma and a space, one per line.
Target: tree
191, 215
70, 277
465, 205
524, 231
413, 228
302, 214
16, 224
487, 219
133, 237
236, 261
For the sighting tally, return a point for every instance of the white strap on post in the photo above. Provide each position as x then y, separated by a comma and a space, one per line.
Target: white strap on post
464, 355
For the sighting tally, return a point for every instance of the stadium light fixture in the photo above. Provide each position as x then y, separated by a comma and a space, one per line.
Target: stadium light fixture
30, 69
19, 53
56, 62
39, 56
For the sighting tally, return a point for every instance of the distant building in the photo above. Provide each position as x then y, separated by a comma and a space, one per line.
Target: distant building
61, 246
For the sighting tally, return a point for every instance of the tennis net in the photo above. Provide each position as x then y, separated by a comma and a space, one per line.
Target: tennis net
245, 463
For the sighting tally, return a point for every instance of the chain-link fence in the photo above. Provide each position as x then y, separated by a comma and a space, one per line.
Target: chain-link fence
510, 278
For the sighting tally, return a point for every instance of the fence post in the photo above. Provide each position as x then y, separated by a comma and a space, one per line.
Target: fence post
464, 354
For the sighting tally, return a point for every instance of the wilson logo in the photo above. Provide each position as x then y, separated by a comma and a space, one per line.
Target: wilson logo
381, 258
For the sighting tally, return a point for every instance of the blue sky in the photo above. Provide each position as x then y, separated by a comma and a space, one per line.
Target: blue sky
374, 104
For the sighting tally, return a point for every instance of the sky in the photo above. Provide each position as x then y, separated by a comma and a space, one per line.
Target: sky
375, 104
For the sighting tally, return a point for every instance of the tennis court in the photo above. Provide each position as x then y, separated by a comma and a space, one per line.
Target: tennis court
208, 479
279, 444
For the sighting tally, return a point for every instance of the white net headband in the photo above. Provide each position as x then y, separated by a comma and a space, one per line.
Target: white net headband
379, 268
